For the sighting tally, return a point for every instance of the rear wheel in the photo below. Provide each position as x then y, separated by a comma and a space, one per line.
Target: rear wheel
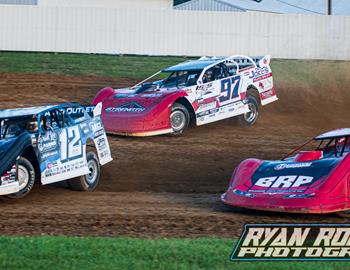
26, 178
89, 181
179, 118
249, 118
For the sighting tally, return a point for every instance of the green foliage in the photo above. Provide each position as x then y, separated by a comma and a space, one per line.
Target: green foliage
135, 67
131, 253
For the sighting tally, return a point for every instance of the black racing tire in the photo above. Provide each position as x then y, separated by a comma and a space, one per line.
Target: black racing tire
249, 119
179, 119
25, 174
90, 181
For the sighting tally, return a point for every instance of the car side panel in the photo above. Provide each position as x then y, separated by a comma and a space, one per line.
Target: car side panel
260, 77
62, 153
220, 99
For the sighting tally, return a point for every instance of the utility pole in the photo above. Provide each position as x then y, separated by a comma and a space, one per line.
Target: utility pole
329, 7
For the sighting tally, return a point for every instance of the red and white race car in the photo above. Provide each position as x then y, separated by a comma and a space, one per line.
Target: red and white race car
194, 92
314, 178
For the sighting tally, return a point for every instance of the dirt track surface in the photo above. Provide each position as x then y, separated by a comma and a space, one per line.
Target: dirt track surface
166, 186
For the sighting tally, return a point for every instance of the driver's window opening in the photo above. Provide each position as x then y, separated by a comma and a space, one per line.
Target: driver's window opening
332, 147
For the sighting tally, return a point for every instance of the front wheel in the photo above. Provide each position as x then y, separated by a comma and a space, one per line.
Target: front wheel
26, 178
179, 118
89, 181
249, 118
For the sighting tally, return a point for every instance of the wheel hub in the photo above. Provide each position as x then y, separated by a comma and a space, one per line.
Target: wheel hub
178, 120
251, 115
23, 176
92, 176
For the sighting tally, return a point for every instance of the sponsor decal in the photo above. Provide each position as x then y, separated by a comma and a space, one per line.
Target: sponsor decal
285, 181
223, 109
293, 242
207, 106
67, 167
292, 166
47, 155
262, 77
97, 127
101, 144
203, 88
48, 142
133, 107
74, 111
151, 95
125, 95
258, 72
77, 111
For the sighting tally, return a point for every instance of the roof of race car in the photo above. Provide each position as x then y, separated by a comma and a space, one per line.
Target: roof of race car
342, 132
30, 111
10, 113
191, 65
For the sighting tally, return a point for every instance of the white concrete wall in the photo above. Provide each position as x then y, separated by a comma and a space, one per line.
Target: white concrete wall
169, 32
138, 4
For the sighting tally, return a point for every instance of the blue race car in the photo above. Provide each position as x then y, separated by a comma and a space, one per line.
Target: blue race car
51, 144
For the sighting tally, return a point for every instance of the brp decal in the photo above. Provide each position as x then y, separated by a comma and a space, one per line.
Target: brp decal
133, 107
287, 181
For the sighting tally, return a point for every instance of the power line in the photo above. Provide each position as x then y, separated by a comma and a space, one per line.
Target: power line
305, 9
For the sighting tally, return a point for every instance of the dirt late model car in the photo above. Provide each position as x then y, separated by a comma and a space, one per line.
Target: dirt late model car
51, 144
313, 181
194, 92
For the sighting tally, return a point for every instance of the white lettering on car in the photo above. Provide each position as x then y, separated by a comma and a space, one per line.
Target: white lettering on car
286, 181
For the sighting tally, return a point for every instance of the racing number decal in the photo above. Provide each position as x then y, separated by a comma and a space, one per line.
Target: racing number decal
229, 88
71, 144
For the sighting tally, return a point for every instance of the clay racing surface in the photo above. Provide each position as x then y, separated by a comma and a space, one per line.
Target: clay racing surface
167, 186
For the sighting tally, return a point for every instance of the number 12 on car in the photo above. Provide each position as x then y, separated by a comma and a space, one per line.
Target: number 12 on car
229, 88
71, 144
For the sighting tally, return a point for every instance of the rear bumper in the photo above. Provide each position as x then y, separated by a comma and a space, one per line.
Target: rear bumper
278, 203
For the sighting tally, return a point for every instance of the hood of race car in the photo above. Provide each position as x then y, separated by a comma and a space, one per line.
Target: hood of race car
290, 177
128, 101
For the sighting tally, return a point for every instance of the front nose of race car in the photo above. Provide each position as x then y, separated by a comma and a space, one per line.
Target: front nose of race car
300, 203
135, 118
292, 187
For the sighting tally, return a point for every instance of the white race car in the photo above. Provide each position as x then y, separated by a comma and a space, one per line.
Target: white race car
197, 91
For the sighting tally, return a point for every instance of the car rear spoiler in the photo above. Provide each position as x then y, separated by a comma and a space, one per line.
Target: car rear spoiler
242, 61
260, 61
